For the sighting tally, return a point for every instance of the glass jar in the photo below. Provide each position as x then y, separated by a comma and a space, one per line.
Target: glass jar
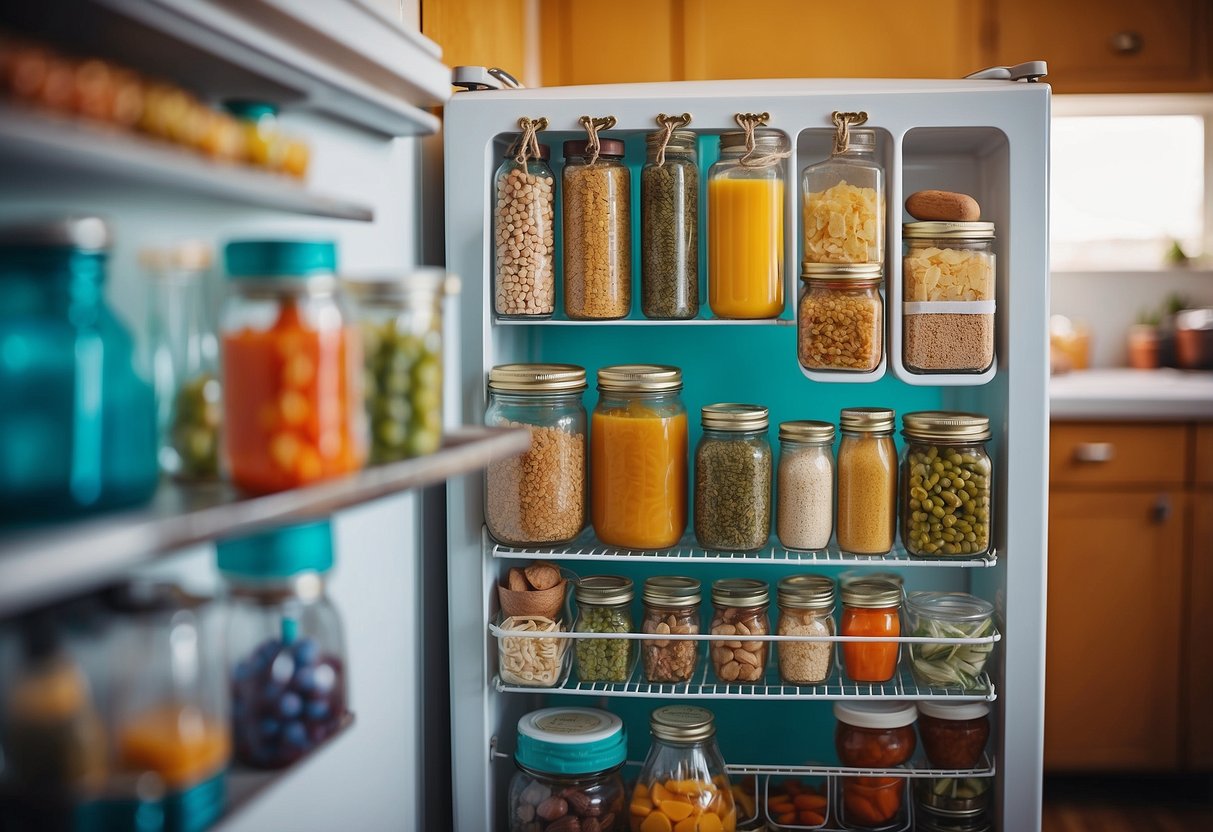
733, 478
806, 608
870, 608
285, 650
604, 605
401, 323
638, 457
568, 777
78, 423
945, 484
683, 767
539, 496
844, 204
671, 606
875, 734
264, 146
867, 481
872, 803
740, 610
948, 804
597, 228
948, 302
949, 615
669, 228
932, 819
840, 322
292, 368
805, 515
954, 734
524, 237
745, 226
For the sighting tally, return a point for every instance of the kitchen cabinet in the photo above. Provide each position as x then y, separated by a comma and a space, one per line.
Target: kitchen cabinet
1198, 670
629, 40
1204, 455
1116, 455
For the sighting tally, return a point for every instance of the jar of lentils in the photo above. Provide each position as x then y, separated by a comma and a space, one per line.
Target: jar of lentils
805, 515
733, 478
945, 484
806, 608
669, 227
604, 605
524, 236
740, 610
840, 321
671, 606
597, 231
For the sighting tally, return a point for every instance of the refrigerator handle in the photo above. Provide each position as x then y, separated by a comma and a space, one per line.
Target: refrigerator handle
1030, 71
484, 78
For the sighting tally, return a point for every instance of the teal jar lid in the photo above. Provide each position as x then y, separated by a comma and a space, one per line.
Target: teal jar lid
279, 553
244, 108
570, 741
280, 258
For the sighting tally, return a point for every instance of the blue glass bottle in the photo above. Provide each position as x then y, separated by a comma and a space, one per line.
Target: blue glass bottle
77, 423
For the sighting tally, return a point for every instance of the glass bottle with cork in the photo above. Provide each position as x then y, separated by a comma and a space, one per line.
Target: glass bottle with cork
597, 228
844, 200
669, 223
524, 228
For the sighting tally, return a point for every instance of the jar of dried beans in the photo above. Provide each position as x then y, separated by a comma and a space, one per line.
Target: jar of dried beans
604, 605
539, 496
669, 227
740, 611
871, 608
671, 606
523, 236
733, 478
844, 204
945, 484
867, 481
806, 608
948, 298
805, 516
840, 320
597, 231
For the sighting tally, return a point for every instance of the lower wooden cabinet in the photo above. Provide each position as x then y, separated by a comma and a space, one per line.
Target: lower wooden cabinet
1198, 664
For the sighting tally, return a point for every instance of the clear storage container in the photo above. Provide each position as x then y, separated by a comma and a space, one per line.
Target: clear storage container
954, 734
597, 231
671, 606
946, 479
949, 615
740, 611
669, 227
872, 804
604, 605
867, 481
871, 608
844, 204
683, 768
805, 515
733, 478
806, 608
524, 236
840, 322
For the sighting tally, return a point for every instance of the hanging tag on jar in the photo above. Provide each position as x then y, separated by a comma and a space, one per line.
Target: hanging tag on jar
668, 125
592, 126
528, 142
752, 158
843, 122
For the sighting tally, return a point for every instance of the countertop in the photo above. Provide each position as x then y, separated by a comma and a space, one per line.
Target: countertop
1163, 395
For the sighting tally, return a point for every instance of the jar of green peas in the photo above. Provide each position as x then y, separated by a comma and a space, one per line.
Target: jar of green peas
604, 605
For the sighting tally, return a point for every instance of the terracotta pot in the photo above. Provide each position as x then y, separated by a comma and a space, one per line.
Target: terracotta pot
1143, 347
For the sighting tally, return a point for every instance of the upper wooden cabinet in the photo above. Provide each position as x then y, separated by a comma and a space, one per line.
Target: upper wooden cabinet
1109, 45
1102, 454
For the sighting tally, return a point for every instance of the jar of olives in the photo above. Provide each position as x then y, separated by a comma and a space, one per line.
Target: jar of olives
604, 606
945, 484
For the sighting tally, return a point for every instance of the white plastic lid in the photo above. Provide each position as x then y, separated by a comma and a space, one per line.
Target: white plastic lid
876, 714
953, 710
569, 725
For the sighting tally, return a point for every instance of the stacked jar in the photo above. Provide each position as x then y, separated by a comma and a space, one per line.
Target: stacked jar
844, 204
684, 779
669, 227
840, 320
954, 734
805, 517
806, 608
604, 605
524, 236
733, 478
671, 607
740, 612
946, 483
874, 735
867, 481
597, 231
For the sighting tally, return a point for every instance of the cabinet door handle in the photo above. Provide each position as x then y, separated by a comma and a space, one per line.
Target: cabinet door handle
1094, 452
1161, 512
1127, 42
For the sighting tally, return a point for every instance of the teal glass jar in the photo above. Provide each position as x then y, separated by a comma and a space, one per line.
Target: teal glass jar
78, 425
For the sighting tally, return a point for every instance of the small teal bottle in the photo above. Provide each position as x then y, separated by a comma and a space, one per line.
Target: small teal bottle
77, 422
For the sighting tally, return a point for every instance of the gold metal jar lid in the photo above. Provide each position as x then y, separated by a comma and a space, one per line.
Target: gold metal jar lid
945, 426
672, 591
806, 592
765, 138
867, 419
603, 589
740, 592
420, 284
948, 230
640, 378
679, 140
857, 272
871, 593
537, 378
682, 723
734, 417
806, 430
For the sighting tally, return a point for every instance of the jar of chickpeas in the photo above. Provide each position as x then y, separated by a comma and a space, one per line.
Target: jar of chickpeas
945, 484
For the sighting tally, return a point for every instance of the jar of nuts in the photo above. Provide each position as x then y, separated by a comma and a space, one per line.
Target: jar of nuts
840, 322
806, 608
740, 611
568, 772
604, 606
945, 484
671, 605
597, 231
524, 236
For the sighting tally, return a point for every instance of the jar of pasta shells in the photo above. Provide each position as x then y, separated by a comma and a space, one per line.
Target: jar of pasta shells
740, 610
671, 606
844, 204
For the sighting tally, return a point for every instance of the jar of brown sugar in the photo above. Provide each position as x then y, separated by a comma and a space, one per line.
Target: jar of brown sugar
867, 481
954, 734
597, 231
740, 611
671, 606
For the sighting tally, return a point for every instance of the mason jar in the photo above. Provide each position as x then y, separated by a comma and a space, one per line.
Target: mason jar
539, 496
805, 515
604, 605
401, 323
639, 439
683, 761
292, 367
568, 777
745, 226
954, 734
733, 478
840, 320
669, 228
946, 479
671, 606
844, 204
597, 229
524, 264
875, 734
806, 608
871, 608
740, 610
867, 481
953, 615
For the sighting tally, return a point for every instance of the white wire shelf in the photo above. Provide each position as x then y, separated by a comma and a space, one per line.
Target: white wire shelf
644, 322
498, 632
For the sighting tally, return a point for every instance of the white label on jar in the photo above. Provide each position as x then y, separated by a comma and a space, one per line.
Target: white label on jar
948, 307
569, 723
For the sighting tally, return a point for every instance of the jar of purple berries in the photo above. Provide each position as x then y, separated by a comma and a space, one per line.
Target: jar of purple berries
285, 649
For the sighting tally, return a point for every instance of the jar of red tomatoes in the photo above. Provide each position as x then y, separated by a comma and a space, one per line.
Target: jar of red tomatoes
292, 368
954, 734
870, 607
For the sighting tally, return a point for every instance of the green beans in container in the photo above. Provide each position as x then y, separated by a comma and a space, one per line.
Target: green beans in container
401, 323
946, 477
949, 615
604, 605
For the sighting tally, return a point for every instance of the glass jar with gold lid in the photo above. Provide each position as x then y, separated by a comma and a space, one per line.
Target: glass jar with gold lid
806, 608
733, 464
684, 766
539, 496
740, 611
671, 607
946, 478
840, 319
867, 481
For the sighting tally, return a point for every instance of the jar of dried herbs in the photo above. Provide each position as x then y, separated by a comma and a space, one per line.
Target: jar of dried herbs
597, 214
604, 605
733, 478
669, 227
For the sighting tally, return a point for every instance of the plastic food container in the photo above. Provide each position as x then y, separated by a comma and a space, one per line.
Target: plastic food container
870, 608
949, 615
844, 204
867, 481
733, 464
740, 611
524, 235
604, 605
671, 606
597, 231
954, 734
840, 321
669, 227
683, 779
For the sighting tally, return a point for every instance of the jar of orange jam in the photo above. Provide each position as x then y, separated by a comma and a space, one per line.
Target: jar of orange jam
871, 607
638, 457
292, 368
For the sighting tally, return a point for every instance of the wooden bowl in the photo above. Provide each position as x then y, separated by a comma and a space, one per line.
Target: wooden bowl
545, 602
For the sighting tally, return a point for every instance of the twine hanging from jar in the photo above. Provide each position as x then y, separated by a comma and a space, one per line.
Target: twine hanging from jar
592, 126
528, 144
749, 122
843, 122
668, 125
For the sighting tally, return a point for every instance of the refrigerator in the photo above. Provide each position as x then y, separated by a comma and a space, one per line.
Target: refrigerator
984, 137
